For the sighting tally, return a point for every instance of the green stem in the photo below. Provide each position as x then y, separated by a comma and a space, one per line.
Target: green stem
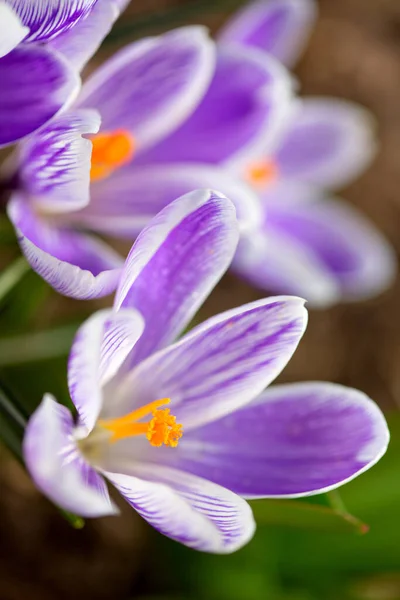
336, 502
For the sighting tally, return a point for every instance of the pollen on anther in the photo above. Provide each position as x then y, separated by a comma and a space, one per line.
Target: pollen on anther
163, 429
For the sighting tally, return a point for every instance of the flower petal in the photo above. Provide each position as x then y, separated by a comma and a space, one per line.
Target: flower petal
274, 262
48, 18
139, 192
100, 347
151, 86
12, 30
279, 27
329, 143
80, 43
347, 246
54, 162
244, 109
293, 440
36, 84
175, 263
57, 467
74, 264
188, 509
221, 364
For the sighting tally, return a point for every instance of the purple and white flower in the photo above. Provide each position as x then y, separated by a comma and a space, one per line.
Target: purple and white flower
306, 243
187, 468
42, 45
210, 106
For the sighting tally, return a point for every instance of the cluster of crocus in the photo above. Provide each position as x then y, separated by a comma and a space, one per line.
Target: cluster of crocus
170, 114
184, 429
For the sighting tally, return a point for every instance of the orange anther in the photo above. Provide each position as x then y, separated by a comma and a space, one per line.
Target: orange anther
109, 152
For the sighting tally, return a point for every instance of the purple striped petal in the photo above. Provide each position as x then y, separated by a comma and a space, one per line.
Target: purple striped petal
151, 86
245, 107
139, 193
57, 467
54, 163
188, 509
80, 43
279, 27
48, 18
220, 365
12, 30
294, 440
99, 349
329, 143
175, 263
36, 83
74, 264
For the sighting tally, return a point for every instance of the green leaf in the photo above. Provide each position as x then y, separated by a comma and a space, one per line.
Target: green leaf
35, 347
12, 276
293, 513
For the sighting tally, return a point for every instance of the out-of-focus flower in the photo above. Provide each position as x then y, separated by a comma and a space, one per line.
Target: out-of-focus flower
170, 95
42, 44
320, 248
180, 429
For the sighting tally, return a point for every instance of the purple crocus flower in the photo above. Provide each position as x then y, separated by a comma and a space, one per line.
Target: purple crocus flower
316, 246
183, 429
37, 40
224, 104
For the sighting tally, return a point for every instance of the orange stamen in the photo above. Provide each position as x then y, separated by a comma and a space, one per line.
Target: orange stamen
161, 429
109, 152
262, 172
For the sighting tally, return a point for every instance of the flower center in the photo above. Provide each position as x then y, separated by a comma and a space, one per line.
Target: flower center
109, 152
261, 173
161, 429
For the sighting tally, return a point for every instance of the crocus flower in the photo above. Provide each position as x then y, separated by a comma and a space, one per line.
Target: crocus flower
37, 40
227, 103
183, 429
306, 243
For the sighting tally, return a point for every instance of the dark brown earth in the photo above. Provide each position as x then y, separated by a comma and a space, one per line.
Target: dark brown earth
355, 54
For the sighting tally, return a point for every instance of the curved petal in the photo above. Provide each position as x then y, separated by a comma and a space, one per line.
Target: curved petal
54, 162
240, 116
220, 365
80, 43
188, 509
48, 18
274, 262
294, 440
139, 193
329, 142
348, 247
74, 264
175, 263
12, 30
36, 83
56, 465
151, 86
279, 27
100, 347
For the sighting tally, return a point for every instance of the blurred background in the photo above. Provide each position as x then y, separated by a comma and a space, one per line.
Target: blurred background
314, 550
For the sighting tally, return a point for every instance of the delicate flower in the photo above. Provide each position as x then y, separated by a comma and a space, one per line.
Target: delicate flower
35, 36
153, 90
180, 429
322, 249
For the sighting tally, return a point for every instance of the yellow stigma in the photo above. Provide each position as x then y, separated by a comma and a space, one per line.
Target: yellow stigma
109, 152
261, 173
161, 429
